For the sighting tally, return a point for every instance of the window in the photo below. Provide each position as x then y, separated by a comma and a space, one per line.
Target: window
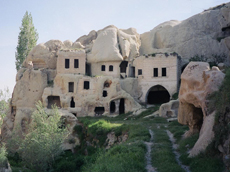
67, 63
71, 86
72, 103
155, 72
102, 67
104, 93
86, 85
139, 71
76, 63
111, 68
164, 72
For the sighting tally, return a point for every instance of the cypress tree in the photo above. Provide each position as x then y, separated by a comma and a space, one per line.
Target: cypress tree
27, 39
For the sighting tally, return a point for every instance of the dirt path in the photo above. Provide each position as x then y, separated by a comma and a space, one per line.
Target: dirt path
149, 144
177, 155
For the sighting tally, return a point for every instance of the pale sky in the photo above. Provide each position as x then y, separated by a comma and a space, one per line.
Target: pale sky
70, 19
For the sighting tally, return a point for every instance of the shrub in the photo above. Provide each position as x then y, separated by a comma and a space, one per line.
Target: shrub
42, 144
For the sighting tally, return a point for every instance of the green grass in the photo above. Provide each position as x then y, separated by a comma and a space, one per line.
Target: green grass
120, 158
162, 156
208, 161
130, 155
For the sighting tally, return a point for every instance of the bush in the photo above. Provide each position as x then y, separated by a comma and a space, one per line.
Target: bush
42, 144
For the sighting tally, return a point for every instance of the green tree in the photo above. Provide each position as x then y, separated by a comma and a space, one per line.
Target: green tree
39, 148
4, 103
27, 39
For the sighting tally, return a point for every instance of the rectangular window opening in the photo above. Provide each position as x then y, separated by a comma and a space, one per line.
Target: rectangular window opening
76, 63
102, 67
71, 86
110, 68
164, 72
155, 72
139, 71
86, 85
67, 63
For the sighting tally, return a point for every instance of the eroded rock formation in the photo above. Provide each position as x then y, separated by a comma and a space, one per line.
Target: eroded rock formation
206, 33
198, 81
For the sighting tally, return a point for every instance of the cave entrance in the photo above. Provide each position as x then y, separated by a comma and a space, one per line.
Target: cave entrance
157, 95
112, 107
72, 103
53, 100
122, 106
99, 111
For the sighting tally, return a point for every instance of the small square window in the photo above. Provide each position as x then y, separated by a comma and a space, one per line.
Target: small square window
139, 71
86, 85
102, 67
67, 63
155, 72
76, 63
110, 68
164, 72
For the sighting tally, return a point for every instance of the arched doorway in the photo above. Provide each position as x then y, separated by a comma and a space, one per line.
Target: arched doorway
157, 95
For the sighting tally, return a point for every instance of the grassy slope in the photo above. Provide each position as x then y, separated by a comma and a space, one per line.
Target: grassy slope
130, 156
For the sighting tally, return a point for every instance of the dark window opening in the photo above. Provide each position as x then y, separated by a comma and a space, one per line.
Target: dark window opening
139, 71
102, 67
72, 103
86, 85
123, 66
104, 93
112, 107
76, 63
53, 100
99, 111
67, 63
122, 106
155, 72
75, 114
110, 68
157, 95
71, 86
88, 69
164, 72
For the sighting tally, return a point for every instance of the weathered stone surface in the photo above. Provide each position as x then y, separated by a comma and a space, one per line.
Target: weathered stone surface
44, 55
199, 34
87, 39
197, 82
106, 38
169, 110
28, 90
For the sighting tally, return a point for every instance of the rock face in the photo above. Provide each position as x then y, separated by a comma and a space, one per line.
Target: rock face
206, 33
109, 71
197, 82
169, 110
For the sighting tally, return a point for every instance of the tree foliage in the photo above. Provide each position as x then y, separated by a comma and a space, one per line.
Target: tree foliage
27, 39
42, 144
4, 103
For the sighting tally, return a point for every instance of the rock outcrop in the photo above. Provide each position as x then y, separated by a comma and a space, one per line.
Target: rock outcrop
169, 110
197, 83
206, 33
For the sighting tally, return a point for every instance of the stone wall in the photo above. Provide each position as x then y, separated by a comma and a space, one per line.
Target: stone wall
146, 78
73, 56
